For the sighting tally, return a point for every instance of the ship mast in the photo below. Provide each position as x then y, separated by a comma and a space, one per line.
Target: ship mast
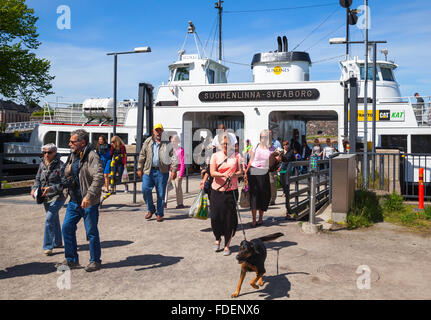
219, 6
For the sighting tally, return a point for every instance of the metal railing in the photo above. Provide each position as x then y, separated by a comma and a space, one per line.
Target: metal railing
397, 172
21, 126
11, 171
422, 110
299, 178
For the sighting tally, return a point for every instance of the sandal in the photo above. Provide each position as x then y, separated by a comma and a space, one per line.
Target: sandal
226, 252
259, 223
253, 225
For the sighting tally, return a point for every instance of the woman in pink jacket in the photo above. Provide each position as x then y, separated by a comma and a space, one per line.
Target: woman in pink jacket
177, 182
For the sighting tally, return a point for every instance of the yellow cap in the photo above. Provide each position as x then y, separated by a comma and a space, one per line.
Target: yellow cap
158, 126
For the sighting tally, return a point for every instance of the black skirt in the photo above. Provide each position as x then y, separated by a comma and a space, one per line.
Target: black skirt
260, 191
224, 219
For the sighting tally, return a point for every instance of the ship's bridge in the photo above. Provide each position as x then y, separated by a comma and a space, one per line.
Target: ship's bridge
388, 89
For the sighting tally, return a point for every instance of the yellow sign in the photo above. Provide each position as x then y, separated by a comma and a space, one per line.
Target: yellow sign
277, 70
369, 118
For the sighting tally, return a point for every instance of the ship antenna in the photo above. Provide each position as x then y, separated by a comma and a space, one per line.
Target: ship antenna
219, 6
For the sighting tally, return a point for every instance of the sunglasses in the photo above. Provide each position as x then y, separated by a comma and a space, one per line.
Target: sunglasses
47, 152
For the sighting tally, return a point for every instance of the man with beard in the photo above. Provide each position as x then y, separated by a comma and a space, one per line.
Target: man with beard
155, 158
84, 179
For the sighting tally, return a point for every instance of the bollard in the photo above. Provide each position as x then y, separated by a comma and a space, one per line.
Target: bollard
421, 188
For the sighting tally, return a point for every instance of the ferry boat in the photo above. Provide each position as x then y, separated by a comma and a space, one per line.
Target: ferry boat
282, 97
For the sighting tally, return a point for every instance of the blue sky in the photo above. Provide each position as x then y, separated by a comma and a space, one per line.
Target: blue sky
83, 69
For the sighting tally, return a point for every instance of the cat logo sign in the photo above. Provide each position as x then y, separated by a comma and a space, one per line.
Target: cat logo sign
277, 70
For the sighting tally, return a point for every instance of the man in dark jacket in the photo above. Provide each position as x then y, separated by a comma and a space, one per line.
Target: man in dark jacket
84, 179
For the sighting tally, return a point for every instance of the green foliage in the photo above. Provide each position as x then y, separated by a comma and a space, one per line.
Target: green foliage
393, 202
365, 210
427, 213
22, 75
40, 113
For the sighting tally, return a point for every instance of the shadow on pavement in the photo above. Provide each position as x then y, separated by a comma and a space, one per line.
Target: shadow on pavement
28, 269
147, 261
274, 286
175, 216
106, 244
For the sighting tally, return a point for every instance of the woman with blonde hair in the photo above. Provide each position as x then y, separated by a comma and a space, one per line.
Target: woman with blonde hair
103, 149
118, 148
257, 177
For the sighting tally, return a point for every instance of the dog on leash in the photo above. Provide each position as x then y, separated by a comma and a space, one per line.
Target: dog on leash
252, 256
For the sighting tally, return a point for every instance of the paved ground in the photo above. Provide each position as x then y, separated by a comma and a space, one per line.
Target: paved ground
174, 259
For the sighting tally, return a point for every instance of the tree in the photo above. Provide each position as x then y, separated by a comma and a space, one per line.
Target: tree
23, 76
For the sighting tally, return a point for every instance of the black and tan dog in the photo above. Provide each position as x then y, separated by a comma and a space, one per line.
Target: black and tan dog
251, 256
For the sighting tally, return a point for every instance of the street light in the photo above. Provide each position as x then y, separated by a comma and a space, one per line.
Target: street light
115, 54
372, 44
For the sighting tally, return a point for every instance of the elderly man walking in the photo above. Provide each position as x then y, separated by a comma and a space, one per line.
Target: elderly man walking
84, 179
155, 158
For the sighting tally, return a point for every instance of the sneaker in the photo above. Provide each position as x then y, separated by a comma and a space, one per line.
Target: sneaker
93, 266
71, 265
180, 207
48, 252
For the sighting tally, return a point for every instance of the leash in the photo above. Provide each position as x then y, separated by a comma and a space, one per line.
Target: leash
229, 184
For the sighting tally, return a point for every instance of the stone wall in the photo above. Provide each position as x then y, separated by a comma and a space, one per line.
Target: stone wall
322, 128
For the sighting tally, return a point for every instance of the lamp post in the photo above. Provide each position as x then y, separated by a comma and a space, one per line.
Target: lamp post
115, 54
374, 45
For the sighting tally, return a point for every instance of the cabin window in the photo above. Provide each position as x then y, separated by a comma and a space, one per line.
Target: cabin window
182, 74
63, 139
370, 74
50, 137
95, 137
387, 74
421, 143
124, 137
211, 76
394, 142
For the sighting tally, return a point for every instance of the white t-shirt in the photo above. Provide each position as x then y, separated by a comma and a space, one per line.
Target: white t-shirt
329, 151
232, 138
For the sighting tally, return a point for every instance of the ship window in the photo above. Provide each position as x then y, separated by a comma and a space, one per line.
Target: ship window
421, 143
182, 74
124, 137
95, 137
63, 139
387, 74
49, 137
394, 142
211, 76
370, 74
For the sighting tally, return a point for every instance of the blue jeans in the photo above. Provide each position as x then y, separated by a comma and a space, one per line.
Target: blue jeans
159, 180
74, 213
52, 237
